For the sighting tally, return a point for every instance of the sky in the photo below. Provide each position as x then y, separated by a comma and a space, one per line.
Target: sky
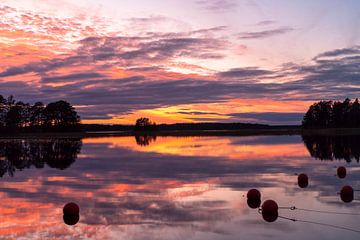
181, 61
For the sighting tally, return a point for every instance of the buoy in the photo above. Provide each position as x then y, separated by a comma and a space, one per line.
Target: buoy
71, 209
253, 203
341, 172
347, 194
253, 194
71, 219
269, 211
253, 198
303, 180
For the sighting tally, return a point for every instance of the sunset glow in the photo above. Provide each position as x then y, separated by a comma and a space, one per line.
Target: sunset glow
180, 61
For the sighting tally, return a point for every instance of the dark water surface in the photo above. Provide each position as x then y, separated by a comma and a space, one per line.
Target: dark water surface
177, 187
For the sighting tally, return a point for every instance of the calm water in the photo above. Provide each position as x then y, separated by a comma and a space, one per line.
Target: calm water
176, 188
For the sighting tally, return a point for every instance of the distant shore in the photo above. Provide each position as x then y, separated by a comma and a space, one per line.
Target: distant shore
174, 133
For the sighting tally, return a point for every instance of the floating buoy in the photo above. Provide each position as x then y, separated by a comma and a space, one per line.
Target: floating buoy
269, 211
303, 180
341, 172
71, 209
71, 219
253, 194
253, 198
347, 194
253, 203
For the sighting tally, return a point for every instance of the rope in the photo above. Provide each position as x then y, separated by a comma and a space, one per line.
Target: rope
312, 222
293, 208
321, 224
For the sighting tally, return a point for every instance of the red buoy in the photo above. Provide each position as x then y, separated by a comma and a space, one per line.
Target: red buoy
341, 172
253, 203
71, 209
253, 198
269, 211
71, 219
303, 180
347, 194
253, 194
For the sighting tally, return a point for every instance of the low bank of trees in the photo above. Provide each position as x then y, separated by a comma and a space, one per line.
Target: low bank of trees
20, 116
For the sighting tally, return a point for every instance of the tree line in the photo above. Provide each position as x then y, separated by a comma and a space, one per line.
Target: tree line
20, 116
333, 114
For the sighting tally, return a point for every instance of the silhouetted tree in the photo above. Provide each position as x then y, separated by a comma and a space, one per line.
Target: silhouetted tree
354, 114
20, 116
13, 119
37, 114
319, 115
10, 101
144, 124
3, 111
61, 115
325, 114
341, 112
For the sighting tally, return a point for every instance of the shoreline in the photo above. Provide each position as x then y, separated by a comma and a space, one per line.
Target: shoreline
187, 133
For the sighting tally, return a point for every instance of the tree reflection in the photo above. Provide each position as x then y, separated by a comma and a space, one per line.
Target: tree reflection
21, 154
333, 147
145, 140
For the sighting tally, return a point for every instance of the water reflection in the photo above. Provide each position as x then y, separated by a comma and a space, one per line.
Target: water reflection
333, 147
173, 188
21, 154
144, 140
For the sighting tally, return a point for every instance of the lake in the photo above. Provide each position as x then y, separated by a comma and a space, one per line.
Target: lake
178, 187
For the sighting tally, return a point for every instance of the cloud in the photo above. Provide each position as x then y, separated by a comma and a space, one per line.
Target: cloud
72, 77
127, 51
265, 33
196, 113
284, 118
339, 52
217, 5
265, 23
47, 28
333, 78
43, 66
120, 74
210, 30
334, 74
247, 73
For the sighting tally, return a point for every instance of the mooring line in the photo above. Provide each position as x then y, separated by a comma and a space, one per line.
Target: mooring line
293, 208
321, 224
